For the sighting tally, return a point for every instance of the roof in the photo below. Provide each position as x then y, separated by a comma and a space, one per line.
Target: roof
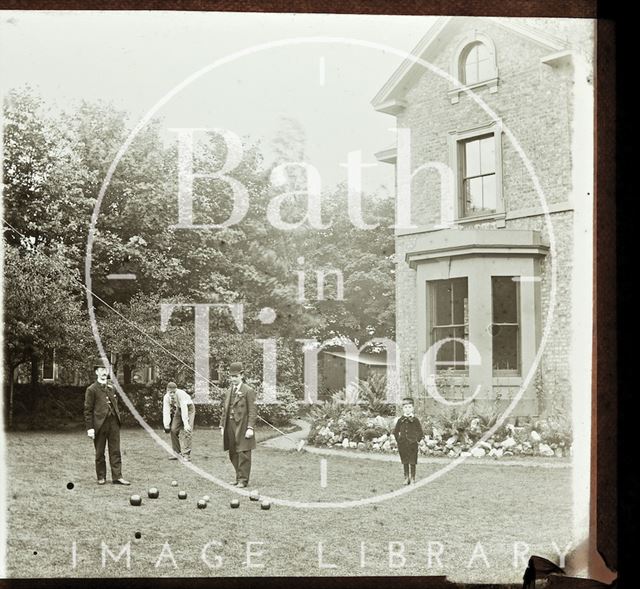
389, 97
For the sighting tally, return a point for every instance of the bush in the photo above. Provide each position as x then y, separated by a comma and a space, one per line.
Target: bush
282, 411
241, 347
373, 394
555, 430
47, 406
50, 406
450, 433
147, 400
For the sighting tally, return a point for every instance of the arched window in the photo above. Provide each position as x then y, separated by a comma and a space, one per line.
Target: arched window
475, 64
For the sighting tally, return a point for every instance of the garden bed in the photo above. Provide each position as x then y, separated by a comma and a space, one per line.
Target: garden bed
450, 434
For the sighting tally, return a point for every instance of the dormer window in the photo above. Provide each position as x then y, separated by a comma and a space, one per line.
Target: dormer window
473, 66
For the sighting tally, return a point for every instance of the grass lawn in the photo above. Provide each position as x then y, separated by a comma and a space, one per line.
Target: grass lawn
497, 506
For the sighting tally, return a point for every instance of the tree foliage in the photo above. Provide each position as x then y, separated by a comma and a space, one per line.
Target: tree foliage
54, 166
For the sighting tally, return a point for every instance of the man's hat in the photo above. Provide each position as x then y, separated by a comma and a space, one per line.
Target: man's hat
236, 368
98, 363
172, 386
407, 401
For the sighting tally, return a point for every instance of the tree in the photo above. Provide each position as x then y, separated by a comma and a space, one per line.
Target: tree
54, 166
365, 258
42, 308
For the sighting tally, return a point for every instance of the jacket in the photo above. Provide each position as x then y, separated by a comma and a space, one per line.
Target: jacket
242, 414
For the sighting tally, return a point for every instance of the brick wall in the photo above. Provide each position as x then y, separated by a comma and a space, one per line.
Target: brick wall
534, 102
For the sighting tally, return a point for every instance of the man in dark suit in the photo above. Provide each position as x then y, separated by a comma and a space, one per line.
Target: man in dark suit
238, 419
102, 419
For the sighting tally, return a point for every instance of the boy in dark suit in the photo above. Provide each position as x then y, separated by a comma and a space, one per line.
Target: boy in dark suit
102, 420
238, 419
408, 432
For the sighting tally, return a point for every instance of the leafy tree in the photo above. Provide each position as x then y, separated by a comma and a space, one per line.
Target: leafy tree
54, 165
42, 310
365, 259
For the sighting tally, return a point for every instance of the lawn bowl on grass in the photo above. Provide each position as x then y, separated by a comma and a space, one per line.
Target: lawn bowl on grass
235, 503
174, 483
202, 504
254, 496
265, 505
182, 494
206, 498
539, 495
153, 493
135, 500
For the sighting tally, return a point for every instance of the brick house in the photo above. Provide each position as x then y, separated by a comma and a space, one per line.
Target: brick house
476, 255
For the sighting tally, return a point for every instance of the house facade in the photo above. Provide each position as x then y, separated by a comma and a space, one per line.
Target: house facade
494, 205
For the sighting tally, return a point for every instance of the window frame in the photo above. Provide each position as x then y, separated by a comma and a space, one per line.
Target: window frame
498, 372
463, 62
432, 326
54, 366
457, 141
458, 86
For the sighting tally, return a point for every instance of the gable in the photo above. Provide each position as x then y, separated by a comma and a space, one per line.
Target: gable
390, 98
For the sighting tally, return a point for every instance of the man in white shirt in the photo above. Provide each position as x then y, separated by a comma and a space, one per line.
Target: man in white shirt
178, 417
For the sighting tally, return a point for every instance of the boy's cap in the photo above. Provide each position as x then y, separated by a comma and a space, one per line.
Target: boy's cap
407, 401
236, 368
172, 386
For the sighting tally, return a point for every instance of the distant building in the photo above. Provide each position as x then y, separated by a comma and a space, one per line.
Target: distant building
476, 265
332, 369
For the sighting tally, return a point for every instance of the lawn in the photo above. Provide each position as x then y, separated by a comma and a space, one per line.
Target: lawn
498, 506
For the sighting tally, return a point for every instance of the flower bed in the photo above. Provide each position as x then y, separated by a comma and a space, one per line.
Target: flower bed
451, 434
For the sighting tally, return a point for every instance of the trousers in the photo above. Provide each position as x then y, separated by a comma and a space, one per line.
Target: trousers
181, 439
241, 460
108, 434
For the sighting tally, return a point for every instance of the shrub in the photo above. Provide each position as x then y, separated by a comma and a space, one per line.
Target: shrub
353, 424
555, 430
240, 347
147, 400
449, 433
373, 393
50, 406
282, 411
326, 411
455, 422
369, 433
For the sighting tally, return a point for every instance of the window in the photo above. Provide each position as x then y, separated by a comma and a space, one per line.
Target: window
476, 64
150, 373
473, 66
475, 155
505, 325
450, 319
478, 176
49, 365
